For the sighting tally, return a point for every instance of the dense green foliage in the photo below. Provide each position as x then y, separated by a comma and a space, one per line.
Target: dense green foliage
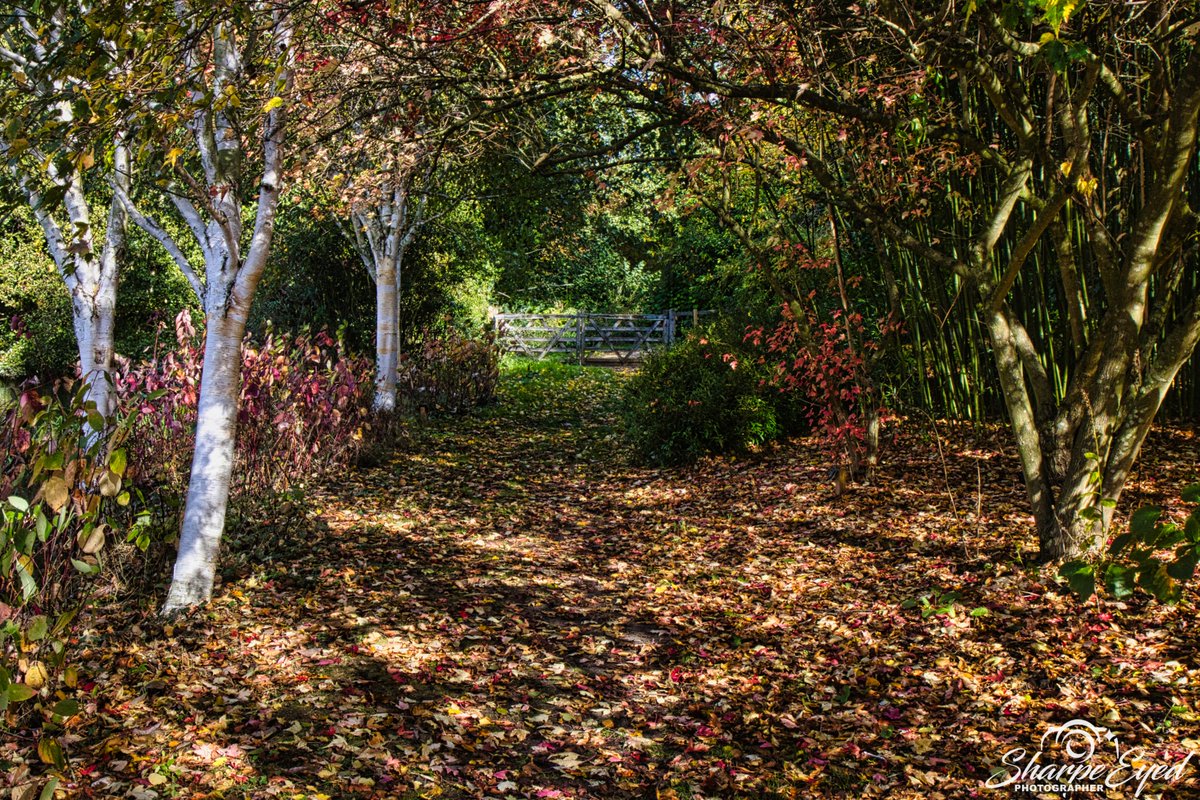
707, 394
1135, 559
36, 335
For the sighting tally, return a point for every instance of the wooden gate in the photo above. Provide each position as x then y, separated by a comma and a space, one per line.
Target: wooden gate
590, 337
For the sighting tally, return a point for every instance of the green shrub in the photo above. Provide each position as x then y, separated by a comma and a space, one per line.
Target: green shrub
707, 394
36, 337
1155, 555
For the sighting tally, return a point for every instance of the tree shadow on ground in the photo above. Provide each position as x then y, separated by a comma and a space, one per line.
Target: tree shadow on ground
495, 614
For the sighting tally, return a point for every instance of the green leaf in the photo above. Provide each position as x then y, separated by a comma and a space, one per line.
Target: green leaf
19, 503
1154, 579
1169, 536
1080, 577
1120, 543
38, 627
1191, 494
1185, 562
49, 788
117, 462
1142, 523
1119, 580
979, 612
84, 567
66, 708
64, 620
28, 584
19, 691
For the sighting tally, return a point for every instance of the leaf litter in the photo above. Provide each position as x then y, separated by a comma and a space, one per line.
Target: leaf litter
512, 607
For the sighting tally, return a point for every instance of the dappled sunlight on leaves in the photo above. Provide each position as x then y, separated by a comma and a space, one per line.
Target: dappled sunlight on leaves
514, 609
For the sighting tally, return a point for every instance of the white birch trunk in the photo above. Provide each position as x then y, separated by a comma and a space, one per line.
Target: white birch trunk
387, 338
89, 277
381, 236
96, 350
212, 464
230, 280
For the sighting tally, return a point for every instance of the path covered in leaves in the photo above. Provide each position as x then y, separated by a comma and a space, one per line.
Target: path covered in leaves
510, 607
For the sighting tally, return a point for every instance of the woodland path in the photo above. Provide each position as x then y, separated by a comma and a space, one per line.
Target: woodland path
510, 607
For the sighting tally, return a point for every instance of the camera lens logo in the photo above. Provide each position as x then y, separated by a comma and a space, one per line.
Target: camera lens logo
1078, 738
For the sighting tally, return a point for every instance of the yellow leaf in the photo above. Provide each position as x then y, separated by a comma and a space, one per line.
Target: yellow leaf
173, 156
36, 676
110, 484
92, 542
272, 104
50, 753
56, 493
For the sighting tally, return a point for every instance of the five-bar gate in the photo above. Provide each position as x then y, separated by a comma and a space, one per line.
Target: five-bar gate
591, 337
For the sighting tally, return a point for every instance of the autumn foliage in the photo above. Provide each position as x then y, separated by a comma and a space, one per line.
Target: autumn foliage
303, 411
818, 362
450, 373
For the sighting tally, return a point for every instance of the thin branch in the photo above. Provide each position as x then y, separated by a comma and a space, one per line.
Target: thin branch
155, 230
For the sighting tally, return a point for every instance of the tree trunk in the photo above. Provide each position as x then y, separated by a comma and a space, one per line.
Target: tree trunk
94, 329
96, 308
1023, 422
387, 332
212, 463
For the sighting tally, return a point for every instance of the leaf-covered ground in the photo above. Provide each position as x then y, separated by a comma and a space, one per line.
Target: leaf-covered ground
510, 607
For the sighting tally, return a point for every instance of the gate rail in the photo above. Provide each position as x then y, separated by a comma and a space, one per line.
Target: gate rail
627, 337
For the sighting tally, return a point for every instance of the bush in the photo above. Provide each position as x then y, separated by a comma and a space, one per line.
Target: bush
37, 337
819, 363
1155, 555
451, 373
303, 411
62, 501
707, 394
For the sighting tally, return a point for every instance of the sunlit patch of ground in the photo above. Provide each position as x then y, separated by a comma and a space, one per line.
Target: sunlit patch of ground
516, 609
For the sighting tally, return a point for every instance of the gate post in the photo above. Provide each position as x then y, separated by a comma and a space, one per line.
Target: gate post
579, 336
